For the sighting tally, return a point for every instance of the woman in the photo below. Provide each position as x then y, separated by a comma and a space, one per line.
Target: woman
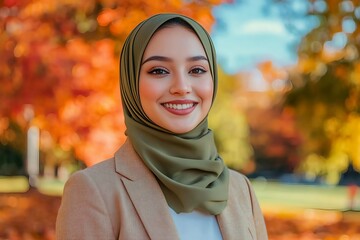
167, 181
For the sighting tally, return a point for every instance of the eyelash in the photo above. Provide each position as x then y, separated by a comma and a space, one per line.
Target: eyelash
198, 70
158, 71
161, 71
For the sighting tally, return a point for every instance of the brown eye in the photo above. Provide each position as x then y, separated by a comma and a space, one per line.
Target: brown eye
197, 71
158, 71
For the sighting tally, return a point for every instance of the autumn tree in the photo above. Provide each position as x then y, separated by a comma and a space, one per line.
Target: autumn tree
231, 130
326, 86
59, 71
272, 132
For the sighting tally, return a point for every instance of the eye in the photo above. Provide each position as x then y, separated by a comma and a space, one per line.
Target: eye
197, 70
158, 71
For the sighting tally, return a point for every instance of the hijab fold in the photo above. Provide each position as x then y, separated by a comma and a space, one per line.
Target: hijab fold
187, 166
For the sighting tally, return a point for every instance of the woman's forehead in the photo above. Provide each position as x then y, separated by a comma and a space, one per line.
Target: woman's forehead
175, 40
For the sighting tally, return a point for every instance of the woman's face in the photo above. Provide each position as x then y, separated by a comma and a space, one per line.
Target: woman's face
176, 86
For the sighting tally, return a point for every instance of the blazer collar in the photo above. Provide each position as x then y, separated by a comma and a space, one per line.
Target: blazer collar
234, 226
145, 193
234, 221
128, 163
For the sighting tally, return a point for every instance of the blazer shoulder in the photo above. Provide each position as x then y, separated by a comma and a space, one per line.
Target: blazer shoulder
100, 174
239, 179
95, 189
104, 166
242, 195
241, 188
83, 199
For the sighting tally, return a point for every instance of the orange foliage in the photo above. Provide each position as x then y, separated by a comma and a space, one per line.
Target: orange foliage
60, 58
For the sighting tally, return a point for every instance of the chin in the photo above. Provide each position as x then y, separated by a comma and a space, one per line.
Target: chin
180, 131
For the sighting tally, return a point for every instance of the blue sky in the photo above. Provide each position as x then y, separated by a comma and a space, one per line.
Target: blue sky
245, 35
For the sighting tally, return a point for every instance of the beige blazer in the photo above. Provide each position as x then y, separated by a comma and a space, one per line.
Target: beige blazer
121, 199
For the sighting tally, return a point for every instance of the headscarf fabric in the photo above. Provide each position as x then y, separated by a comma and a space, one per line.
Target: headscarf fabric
189, 170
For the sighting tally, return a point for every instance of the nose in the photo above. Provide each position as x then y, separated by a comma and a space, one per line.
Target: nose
180, 85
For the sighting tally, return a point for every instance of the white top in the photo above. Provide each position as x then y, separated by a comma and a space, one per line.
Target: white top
196, 225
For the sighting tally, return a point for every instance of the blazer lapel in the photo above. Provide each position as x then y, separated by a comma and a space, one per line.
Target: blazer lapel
145, 193
234, 220
233, 227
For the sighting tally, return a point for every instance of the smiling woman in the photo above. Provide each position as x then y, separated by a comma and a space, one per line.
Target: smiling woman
176, 86
167, 181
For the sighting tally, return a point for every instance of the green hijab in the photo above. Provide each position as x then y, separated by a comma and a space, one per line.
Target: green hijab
187, 166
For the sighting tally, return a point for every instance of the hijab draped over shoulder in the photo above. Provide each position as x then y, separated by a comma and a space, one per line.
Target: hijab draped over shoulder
187, 166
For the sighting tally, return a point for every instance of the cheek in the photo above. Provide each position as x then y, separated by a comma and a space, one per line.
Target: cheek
144, 89
206, 91
149, 91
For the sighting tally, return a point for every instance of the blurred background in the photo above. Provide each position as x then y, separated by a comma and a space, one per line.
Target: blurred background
287, 113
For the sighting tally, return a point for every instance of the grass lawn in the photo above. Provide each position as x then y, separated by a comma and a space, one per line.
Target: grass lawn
279, 195
19, 184
15, 184
53, 187
271, 195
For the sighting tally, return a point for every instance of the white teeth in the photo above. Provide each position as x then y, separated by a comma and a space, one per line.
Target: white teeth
178, 106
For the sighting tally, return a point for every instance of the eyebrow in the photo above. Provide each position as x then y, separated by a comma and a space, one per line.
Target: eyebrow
166, 59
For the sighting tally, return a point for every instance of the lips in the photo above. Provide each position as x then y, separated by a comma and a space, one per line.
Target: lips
180, 107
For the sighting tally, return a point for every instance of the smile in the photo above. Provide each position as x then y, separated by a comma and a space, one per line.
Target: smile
178, 106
